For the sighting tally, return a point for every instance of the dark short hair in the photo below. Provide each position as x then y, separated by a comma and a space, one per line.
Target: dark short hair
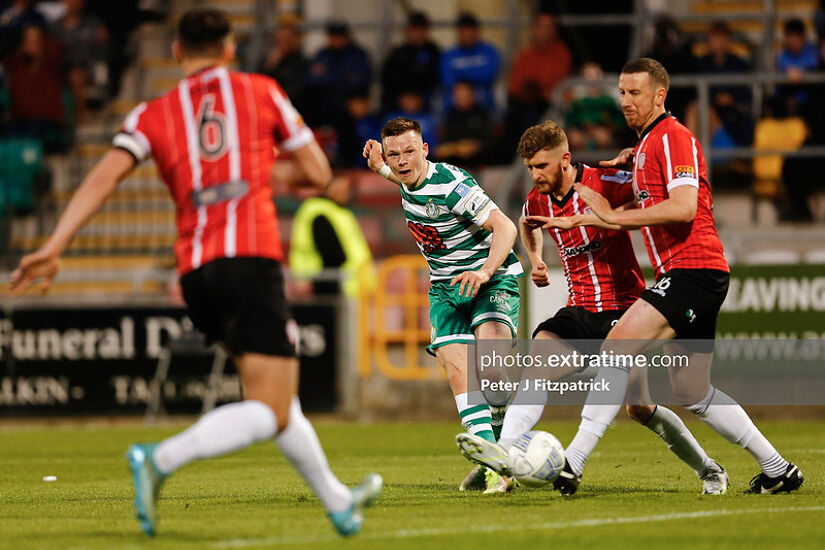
547, 135
794, 26
418, 19
398, 126
719, 27
467, 19
338, 26
202, 31
653, 68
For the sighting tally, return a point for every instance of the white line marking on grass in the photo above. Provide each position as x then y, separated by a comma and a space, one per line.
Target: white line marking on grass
548, 526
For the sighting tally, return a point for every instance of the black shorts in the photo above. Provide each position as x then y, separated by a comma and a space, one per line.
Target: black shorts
690, 300
576, 323
241, 303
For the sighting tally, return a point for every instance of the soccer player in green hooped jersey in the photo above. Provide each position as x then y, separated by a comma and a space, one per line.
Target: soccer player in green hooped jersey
468, 244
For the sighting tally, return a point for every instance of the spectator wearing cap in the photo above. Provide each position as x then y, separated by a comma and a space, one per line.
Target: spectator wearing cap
412, 65
285, 62
338, 69
471, 60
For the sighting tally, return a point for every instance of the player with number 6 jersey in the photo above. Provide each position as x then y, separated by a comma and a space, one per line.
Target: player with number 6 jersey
213, 138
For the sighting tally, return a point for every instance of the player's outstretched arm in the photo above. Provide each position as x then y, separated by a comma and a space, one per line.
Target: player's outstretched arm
679, 207
376, 162
623, 160
100, 183
533, 240
314, 164
504, 236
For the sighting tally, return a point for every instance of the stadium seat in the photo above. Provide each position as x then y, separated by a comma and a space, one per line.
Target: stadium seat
774, 134
21, 160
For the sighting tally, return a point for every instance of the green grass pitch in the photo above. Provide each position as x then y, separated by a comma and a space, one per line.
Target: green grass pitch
634, 494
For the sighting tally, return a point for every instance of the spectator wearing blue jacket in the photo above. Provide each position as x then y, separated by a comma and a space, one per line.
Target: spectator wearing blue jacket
798, 56
336, 71
470, 61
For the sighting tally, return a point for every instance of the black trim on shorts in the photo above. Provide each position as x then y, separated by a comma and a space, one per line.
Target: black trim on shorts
241, 303
690, 300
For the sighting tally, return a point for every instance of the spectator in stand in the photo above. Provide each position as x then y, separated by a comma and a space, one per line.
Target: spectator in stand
13, 20
472, 61
537, 69
411, 66
546, 60
285, 61
362, 124
802, 175
83, 40
819, 21
798, 56
337, 70
411, 105
121, 17
730, 103
36, 75
673, 50
467, 131
594, 119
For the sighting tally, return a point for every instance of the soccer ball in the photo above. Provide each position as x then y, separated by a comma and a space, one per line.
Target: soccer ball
536, 459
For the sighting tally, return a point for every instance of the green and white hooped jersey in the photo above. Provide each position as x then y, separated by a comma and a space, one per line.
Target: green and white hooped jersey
445, 214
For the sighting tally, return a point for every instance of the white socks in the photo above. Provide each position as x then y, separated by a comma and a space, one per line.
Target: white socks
300, 445
719, 411
223, 430
668, 426
238, 425
518, 420
598, 413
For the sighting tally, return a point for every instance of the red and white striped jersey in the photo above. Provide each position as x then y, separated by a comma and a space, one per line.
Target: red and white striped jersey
669, 155
599, 264
213, 139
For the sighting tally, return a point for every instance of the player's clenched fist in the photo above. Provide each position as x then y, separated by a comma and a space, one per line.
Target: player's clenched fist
374, 154
539, 274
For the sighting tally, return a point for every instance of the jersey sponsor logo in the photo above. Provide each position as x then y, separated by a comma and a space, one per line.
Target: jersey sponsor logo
462, 189
571, 251
426, 236
685, 172
499, 298
690, 315
431, 209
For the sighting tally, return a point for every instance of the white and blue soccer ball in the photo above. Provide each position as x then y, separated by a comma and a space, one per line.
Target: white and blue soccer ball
536, 458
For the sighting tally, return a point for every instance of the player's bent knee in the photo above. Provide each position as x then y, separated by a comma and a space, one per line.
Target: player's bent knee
640, 413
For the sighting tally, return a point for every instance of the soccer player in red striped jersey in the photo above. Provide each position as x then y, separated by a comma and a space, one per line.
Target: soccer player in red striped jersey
213, 138
603, 280
674, 212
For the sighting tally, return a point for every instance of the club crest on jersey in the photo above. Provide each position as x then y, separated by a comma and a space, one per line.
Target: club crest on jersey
684, 172
640, 160
431, 209
642, 196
